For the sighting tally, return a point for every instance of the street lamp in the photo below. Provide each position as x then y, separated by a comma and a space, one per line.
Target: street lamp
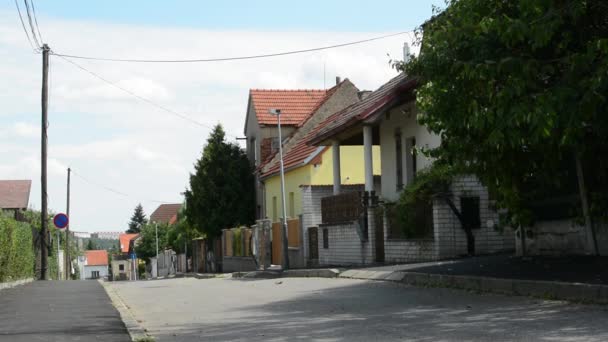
285, 265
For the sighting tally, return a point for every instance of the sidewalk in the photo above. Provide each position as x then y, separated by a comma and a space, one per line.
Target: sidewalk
59, 311
579, 278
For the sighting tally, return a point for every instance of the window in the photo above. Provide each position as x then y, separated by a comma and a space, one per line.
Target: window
411, 167
469, 207
274, 146
399, 160
325, 238
274, 209
121, 267
292, 209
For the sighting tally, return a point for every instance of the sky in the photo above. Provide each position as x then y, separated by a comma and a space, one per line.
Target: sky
124, 151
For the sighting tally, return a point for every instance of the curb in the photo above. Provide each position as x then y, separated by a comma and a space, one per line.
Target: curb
15, 283
576, 292
304, 273
136, 331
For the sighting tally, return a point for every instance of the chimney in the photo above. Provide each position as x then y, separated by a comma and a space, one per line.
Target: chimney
338, 80
406, 52
363, 94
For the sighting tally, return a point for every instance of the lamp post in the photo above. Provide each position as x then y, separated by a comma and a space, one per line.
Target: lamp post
156, 230
285, 264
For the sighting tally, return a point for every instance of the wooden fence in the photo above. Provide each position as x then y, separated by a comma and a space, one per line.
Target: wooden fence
293, 239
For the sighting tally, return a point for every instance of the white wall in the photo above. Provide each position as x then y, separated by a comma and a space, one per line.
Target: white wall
103, 271
402, 118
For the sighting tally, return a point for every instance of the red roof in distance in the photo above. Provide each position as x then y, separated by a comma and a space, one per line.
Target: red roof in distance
14, 194
166, 213
97, 258
295, 105
125, 239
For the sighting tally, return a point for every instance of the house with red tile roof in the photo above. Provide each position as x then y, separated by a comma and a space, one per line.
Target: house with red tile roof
166, 213
14, 194
351, 233
297, 107
95, 265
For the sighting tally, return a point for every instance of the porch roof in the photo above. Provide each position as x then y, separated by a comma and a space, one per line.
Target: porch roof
391, 93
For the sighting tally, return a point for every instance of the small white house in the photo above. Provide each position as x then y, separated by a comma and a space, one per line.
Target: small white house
94, 265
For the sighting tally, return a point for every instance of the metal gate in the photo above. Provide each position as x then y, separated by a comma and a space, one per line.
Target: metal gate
313, 244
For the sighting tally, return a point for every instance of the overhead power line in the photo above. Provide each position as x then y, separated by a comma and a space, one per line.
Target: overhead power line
116, 192
223, 59
37, 48
146, 100
36, 21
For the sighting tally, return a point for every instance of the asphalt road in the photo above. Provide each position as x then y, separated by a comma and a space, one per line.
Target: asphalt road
59, 311
300, 309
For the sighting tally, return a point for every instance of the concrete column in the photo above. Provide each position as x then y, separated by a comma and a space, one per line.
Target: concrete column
367, 157
335, 147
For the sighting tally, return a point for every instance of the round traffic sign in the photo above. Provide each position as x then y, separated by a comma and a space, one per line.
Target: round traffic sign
61, 220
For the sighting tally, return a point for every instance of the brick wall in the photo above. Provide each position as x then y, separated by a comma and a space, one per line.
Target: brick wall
449, 235
311, 207
344, 246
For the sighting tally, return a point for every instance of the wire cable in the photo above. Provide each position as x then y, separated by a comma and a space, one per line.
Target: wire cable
223, 59
24, 29
36, 22
31, 22
146, 100
107, 188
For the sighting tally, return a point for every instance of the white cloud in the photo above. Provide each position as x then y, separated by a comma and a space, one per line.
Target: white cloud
113, 139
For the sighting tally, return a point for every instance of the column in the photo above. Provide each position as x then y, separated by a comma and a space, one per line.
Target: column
335, 147
367, 157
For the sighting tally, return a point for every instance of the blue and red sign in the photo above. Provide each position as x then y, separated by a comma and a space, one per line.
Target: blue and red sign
61, 220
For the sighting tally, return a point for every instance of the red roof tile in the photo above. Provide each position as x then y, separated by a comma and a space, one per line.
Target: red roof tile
125, 239
14, 194
295, 105
297, 152
166, 213
363, 109
96, 258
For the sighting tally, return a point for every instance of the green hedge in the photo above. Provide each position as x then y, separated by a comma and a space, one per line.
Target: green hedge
16, 251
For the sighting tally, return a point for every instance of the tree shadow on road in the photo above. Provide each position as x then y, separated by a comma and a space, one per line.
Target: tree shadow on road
382, 311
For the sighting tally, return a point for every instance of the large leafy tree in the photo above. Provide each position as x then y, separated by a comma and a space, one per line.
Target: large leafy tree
138, 220
146, 245
517, 90
221, 193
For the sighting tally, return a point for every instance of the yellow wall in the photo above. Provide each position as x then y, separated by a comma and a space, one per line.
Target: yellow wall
351, 169
293, 179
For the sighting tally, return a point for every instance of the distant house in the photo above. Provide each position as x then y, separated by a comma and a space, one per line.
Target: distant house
14, 195
106, 235
166, 213
124, 264
95, 265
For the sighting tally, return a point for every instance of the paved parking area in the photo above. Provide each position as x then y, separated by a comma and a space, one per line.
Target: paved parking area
304, 309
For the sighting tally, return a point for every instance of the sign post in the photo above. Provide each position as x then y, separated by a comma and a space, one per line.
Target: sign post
60, 221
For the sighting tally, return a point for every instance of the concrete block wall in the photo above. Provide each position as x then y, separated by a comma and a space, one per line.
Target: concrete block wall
563, 237
449, 235
311, 207
401, 251
344, 246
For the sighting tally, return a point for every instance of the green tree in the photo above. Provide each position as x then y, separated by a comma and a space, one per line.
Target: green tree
91, 245
180, 233
517, 91
221, 193
146, 246
137, 220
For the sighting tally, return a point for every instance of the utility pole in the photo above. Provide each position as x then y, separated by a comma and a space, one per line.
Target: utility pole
156, 229
285, 241
68, 266
44, 253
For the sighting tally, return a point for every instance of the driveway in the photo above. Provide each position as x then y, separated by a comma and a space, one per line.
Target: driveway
305, 309
59, 311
